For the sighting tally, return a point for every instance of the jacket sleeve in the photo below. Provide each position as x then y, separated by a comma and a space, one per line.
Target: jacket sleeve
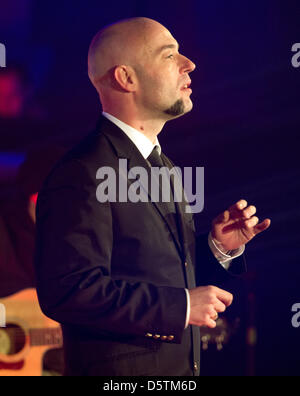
74, 246
208, 269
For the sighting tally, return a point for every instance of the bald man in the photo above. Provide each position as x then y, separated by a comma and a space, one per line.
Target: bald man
127, 279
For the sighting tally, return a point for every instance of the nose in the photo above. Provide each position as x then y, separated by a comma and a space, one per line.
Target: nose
187, 65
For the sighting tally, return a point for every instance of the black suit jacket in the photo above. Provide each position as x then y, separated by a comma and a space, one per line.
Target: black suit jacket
113, 274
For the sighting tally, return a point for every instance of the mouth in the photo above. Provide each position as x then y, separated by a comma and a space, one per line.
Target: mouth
186, 87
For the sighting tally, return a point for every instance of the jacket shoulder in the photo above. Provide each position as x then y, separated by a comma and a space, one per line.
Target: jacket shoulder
82, 161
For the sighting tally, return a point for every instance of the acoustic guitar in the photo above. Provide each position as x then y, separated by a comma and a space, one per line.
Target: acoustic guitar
28, 334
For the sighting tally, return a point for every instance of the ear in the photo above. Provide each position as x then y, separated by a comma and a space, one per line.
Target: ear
125, 77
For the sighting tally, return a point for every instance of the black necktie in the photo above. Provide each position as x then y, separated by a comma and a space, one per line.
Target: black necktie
172, 216
155, 158
156, 161
171, 213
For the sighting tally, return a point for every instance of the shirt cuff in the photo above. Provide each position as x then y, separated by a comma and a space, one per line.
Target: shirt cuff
224, 258
188, 308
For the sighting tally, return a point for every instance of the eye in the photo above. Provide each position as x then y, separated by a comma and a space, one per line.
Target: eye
170, 56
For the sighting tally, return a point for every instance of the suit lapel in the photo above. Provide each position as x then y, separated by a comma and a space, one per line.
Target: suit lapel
125, 149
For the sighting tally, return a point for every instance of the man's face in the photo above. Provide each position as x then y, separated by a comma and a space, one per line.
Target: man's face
163, 75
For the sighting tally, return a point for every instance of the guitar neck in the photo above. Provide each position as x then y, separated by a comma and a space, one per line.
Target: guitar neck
45, 336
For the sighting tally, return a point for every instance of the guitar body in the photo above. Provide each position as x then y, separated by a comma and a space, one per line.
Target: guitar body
27, 336
29, 365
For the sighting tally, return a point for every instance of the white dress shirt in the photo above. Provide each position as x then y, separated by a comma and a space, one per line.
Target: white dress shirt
145, 147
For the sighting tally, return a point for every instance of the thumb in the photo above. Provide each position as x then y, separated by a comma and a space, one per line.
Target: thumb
262, 226
222, 218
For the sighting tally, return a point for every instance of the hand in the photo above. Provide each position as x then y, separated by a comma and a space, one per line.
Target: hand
237, 226
205, 303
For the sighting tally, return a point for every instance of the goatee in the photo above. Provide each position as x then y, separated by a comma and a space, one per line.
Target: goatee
176, 109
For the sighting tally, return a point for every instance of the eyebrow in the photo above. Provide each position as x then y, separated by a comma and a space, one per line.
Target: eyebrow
168, 46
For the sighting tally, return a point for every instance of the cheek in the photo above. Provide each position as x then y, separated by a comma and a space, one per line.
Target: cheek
160, 84
155, 87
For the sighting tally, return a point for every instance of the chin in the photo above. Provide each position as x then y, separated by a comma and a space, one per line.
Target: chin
179, 108
189, 106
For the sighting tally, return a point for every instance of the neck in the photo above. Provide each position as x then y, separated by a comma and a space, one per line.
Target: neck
150, 127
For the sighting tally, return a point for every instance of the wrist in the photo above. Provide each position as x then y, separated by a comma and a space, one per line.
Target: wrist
219, 245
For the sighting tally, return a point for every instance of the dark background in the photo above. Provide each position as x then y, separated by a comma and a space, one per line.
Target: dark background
243, 129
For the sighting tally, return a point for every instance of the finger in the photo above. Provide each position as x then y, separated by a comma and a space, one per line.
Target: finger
215, 317
262, 226
250, 223
219, 306
249, 211
240, 205
213, 314
224, 296
209, 322
239, 208
222, 218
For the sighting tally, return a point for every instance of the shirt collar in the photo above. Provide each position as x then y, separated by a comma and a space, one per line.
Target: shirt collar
143, 144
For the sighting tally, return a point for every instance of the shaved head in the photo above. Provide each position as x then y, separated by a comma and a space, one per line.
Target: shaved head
139, 74
123, 42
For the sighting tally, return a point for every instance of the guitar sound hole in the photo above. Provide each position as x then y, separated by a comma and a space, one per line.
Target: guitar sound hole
12, 339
